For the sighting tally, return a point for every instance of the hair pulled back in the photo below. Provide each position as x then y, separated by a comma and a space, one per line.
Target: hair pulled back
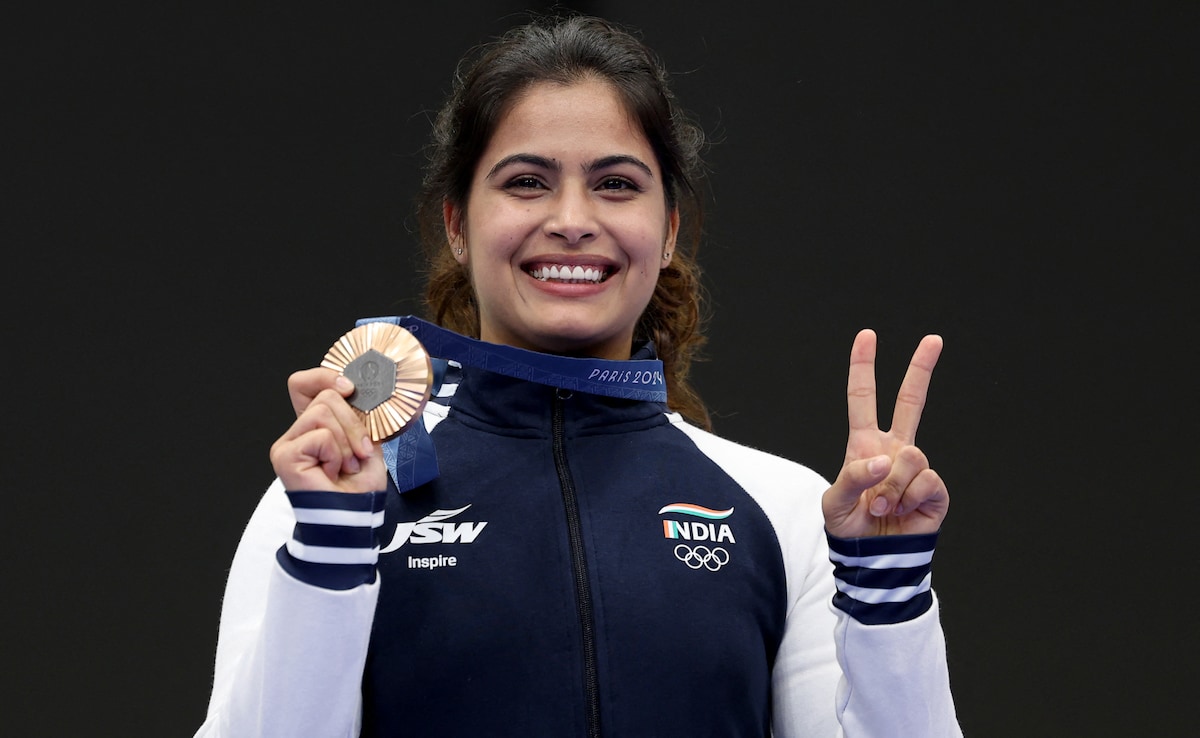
565, 50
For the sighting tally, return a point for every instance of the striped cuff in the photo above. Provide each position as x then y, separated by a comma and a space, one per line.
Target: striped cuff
882, 580
334, 544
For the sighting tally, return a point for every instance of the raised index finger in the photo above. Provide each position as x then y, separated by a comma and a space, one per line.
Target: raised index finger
860, 388
910, 401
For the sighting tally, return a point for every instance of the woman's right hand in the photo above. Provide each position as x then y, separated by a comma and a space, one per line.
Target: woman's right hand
328, 447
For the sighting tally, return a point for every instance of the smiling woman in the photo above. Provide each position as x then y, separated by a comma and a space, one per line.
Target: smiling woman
634, 92
568, 224
582, 556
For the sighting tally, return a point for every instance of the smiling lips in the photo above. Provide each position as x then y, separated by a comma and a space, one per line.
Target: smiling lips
569, 274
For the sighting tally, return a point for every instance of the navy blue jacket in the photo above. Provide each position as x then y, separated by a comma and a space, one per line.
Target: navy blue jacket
571, 610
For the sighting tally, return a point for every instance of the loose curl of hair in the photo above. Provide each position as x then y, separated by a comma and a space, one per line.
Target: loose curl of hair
566, 50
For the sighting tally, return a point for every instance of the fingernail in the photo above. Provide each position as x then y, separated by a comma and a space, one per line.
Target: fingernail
352, 465
367, 447
879, 506
878, 464
343, 384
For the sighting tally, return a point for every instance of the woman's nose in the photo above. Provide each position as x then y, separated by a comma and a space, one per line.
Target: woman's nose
573, 218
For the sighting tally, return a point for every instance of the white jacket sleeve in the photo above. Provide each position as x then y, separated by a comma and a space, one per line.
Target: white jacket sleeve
290, 654
896, 682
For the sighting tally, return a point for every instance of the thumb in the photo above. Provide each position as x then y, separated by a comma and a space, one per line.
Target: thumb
855, 478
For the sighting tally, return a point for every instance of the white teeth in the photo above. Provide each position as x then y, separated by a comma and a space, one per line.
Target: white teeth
570, 274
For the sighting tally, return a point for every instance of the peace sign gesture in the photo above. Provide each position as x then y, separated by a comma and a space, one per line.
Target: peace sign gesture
885, 486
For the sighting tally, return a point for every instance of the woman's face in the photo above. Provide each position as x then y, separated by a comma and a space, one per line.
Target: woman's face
566, 224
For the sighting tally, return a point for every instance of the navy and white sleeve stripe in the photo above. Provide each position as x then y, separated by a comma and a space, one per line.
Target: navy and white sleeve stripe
884, 579
335, 543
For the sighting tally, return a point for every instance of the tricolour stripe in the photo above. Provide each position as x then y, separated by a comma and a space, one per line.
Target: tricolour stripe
687, 508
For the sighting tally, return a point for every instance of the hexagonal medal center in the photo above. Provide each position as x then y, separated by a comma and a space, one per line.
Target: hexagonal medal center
374, 377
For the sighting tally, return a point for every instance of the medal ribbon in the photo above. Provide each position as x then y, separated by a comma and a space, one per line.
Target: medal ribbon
410, 456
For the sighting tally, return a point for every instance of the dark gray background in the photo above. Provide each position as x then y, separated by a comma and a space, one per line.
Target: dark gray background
197, 202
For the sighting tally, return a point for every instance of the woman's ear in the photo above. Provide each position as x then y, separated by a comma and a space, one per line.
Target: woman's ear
452, 220
672, 235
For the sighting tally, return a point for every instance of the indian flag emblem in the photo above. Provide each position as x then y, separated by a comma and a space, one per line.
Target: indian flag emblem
687, 508
696, 530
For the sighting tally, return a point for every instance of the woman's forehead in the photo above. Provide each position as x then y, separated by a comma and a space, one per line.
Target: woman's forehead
582, 119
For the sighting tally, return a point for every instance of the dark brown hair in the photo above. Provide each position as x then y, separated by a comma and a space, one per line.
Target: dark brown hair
567, 49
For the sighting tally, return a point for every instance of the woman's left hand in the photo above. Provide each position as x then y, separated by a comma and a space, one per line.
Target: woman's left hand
886, 486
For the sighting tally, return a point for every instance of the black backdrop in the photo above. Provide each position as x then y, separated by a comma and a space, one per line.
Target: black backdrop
197, 201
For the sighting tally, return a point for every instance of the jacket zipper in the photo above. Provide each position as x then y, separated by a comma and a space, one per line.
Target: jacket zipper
583, 595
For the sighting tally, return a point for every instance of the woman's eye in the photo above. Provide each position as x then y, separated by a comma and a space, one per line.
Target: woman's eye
618, 184
525, 183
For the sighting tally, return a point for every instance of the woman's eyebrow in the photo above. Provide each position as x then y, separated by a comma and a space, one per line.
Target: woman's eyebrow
609, 161
543, 162
531, 159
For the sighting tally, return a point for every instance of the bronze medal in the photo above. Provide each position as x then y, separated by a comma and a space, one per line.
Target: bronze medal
391, 372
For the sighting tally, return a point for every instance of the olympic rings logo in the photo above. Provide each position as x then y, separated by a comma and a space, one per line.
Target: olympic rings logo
711, 559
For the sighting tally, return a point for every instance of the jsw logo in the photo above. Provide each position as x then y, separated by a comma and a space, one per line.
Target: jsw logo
431, 529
